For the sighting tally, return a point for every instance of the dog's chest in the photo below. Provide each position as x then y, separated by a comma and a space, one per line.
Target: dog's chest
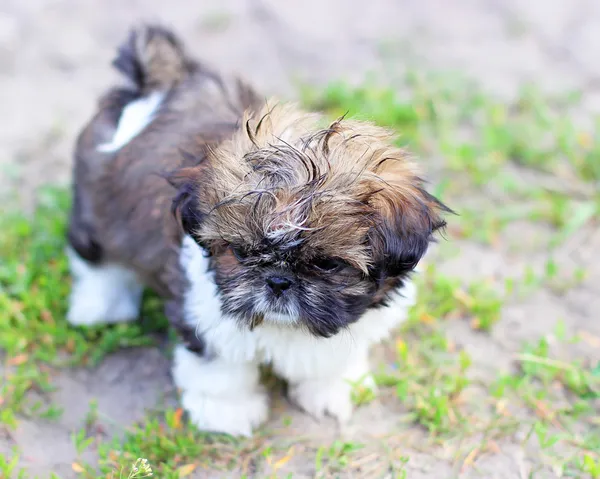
293, 353
289, 350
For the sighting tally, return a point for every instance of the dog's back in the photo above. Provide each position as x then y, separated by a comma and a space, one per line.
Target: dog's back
174, 109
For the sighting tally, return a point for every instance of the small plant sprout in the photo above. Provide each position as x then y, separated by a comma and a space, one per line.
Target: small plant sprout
141, 468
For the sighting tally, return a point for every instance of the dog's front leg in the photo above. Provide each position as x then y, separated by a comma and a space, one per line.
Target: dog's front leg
218, 395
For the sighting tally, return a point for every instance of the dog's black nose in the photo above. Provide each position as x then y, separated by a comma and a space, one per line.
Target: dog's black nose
278, 284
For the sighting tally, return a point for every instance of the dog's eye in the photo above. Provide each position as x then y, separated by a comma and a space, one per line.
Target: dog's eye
240, 253
328, 264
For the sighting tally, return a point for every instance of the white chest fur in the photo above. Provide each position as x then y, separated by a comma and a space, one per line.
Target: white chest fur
293, 353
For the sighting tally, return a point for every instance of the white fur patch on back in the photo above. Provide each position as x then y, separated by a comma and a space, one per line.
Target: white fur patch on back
134, 118
102, 294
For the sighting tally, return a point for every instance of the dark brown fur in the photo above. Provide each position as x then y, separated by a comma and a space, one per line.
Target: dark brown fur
122, 202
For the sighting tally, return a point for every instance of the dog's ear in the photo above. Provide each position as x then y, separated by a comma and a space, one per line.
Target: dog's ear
185, 205
405, 218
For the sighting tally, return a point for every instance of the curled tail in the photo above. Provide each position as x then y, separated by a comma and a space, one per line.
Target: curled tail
153, 58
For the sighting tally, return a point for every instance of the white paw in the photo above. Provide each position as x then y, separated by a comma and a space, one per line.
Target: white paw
238, 417
102, 294
320, 397
332, 396
86, 309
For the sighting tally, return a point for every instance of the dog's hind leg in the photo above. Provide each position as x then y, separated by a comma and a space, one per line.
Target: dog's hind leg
101, 292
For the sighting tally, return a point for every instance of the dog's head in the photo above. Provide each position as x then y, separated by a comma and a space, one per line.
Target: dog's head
307, 224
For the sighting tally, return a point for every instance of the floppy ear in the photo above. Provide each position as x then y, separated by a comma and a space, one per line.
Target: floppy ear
185, 206
406, 216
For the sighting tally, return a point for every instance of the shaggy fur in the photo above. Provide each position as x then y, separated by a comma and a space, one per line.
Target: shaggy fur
338, 211
308, 226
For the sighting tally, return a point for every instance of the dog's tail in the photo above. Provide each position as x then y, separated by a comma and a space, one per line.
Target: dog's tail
153, 58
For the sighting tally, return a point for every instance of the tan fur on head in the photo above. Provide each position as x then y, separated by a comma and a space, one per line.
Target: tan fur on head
287, 174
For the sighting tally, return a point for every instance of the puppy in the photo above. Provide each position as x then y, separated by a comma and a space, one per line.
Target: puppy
273, 236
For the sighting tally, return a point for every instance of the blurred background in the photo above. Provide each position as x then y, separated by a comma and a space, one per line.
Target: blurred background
55, 54
499, 100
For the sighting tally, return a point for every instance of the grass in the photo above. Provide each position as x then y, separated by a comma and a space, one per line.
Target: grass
34, 335
489, 147
560, 397
449, 297
500, 166
171, 447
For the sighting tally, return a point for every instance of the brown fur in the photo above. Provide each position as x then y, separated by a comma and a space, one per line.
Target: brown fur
122, 202
288, 171
265, 188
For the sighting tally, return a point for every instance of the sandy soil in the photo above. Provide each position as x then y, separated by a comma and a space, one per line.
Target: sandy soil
54, 57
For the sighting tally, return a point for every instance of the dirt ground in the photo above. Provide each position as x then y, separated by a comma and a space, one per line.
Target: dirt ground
54, 57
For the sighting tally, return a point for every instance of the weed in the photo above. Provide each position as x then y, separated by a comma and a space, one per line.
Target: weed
335, 458
362, 393
140, 469
429, 378
173, 447
9, 468
560, 395
444, 297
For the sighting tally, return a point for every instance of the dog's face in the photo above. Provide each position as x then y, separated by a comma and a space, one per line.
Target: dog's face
307, 226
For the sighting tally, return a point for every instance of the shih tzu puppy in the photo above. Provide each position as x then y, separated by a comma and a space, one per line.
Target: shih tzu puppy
274, 236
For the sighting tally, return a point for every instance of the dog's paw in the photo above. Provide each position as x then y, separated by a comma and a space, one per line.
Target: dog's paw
320, 397
86, 309
102, 294
332, 396
238, 417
